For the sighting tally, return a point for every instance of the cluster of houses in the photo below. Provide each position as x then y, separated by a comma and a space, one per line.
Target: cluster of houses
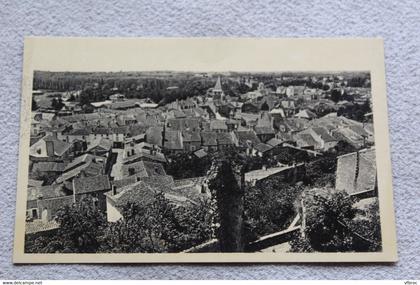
118, 153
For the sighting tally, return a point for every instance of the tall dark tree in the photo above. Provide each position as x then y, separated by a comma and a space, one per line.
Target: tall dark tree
34, 105
227, 186
335, 95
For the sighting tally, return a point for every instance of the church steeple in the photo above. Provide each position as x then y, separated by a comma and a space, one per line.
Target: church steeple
217, 91
218, 86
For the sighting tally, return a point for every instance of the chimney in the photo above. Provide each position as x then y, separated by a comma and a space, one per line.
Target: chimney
50, 148
114, 190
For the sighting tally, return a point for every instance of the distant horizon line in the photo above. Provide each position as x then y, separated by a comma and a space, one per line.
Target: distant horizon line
209, 71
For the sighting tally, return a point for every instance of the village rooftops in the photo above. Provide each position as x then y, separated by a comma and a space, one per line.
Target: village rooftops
224, 139
260, 174
262, 130
282, 137
173, 140
148, 105
209, 138
306, 114
356, 172
305, 140
40, 226
278, 111
84, 117
200, 153
175, 114
288, 104
145, 154
154, 135
85, 158
263, 148
156, 180
100, 144
268, 101
346, 134
323, 133
45, 192
91, 165
117, 97
274, 142
145, 193
40, 148
247, 138
122, 105
34, 183
218, 125
191, 136
143, 169
249, 117
82, 185
105, 103
293, 125
184, 124
48, 166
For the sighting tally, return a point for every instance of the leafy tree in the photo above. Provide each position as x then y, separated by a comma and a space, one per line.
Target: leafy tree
72, 98
286, 155
81, 226
321, 171
368, 228
335, 95
332, 225
57, 104
158, 227
88, 108
269, 207
81, 231
325, 220
344, 147
187, 165
355, 111
243, 88
142, 229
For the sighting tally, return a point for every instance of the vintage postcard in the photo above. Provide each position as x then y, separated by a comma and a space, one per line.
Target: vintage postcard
204, 150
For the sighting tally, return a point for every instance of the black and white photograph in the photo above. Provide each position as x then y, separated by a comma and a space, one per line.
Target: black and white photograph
196, 162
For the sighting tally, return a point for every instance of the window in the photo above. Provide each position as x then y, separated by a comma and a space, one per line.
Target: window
131, 171
35, 213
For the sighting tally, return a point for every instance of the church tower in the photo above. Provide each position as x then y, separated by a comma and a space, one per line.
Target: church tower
217, 91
